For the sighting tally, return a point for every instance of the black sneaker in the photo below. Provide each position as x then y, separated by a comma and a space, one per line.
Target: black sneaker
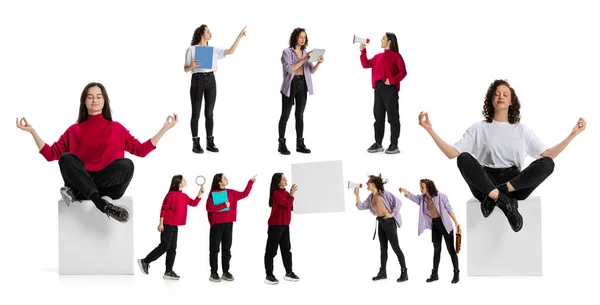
214, 277
143, 266
171, 275
291, 277
375, 148
510, 208
227, 276
116, 212
271, 280
393, 149
382, 275
67, 195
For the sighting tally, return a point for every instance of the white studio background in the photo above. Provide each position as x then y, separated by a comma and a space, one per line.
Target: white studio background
453, 51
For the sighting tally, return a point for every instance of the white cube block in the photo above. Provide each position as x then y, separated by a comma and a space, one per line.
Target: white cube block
320, 187
91, 243
495, 249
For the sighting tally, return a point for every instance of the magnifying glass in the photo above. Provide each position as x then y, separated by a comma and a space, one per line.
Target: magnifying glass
202, 179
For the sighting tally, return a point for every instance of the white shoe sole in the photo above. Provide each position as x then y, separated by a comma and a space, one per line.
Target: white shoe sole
166, 277
290, 279
66, 197
271, 283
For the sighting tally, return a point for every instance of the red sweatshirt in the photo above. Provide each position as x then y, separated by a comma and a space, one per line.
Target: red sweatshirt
386, 65
97, 142
174, 208
214, 216
281, 210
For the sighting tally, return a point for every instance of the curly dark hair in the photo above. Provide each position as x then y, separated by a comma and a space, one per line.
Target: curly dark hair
514, 110
294, 38
378, 181
198, 34
431, 189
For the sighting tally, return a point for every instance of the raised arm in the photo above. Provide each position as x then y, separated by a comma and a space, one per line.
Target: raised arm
366, 63
446, 148
361, 205
314, 68
50, 153
282, 200
557, 149
194, 202
241, 195
235, 43
414, 198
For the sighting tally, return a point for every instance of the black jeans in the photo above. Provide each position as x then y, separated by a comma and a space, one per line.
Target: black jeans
168, 243
111, 181
386, 101
203, 84
220, 234
298, 92
278, 236
483, 180
388, 231
437, 232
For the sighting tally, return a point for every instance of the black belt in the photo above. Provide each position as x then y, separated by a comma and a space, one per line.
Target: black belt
204, 73
377, 220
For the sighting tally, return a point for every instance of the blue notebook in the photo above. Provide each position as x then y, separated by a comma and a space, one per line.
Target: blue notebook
220, 198
205, 56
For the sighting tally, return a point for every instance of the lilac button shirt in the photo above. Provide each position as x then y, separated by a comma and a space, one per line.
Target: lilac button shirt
391, 202
289, 58
442, 205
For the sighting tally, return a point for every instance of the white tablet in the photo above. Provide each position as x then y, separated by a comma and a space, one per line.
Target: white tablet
316, 53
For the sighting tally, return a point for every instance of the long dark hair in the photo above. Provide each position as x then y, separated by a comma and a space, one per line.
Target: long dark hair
294, 38
198, 34
274, 186
431, 189
83, 111
514, 110
378, 181
393, 41
175, 182
215, 183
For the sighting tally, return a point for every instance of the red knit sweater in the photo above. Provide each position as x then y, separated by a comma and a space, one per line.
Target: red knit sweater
281, 209
174, 208
385, 65
214, 216
97, 142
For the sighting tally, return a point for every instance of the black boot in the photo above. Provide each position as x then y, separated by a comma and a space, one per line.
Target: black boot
510, 208
282, 148
381, 275
455, 278
300, 147
197, 148
403, 276
210, 144
433, 277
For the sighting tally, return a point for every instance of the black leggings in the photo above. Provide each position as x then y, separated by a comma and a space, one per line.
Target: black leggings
437, 232
203, 84
298, 92
388, 231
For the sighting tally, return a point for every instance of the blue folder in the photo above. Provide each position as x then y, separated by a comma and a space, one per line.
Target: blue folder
205, 56
220, 198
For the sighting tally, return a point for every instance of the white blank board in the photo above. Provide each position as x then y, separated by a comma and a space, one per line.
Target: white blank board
320, 187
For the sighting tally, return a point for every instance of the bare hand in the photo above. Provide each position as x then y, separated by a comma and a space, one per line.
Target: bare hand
307, 56
293, 189
424, 123
403, 191
253, 178
24, 125
356, 191
227, 203
171, 121
581, 123
195, 64
160, 228
362, 46
387, 81
201, 189
388, 216
243, 32
321, 59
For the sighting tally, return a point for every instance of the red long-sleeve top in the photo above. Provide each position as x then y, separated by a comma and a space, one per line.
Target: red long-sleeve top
97, 142
175, 206
281, 208
386, 65
233, 196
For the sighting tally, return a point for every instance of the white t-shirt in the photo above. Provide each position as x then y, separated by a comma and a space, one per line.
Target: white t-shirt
190, 55
500, 144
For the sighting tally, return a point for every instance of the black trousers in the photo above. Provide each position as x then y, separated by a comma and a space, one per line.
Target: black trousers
437, 232
168, 244
482, 180
386, 101
299, 93
220, 234
278, 236
111, 181
388, 232
203, 84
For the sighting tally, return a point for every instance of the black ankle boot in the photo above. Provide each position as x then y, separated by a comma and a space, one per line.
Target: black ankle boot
197, 148
210, 144
403, 276
300, 147
282, 148
510, 207
433, 277
455, 278
381, 275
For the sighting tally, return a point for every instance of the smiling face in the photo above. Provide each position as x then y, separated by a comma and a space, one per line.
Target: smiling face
502, 98
224, 182
94, 101
207, 34
183, 183
283, 182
